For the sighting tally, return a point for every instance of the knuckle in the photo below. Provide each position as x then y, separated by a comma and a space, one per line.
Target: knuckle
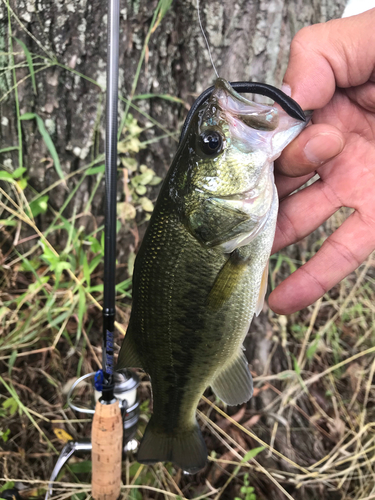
286, 227
314, 279
308, 39
344, 251
303, 38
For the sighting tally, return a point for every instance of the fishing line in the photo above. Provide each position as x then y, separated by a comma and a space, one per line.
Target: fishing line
205, 38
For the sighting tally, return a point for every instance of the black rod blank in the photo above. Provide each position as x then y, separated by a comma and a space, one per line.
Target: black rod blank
113, 29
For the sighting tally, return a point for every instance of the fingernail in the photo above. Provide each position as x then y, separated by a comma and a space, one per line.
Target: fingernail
322, 147
286, 89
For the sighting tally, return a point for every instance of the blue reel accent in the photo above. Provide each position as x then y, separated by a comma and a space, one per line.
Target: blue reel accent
98, 380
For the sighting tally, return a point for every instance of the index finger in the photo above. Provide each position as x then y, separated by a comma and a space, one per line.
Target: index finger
339, 255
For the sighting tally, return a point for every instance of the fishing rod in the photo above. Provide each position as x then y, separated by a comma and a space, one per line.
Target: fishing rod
116, 411
107, 429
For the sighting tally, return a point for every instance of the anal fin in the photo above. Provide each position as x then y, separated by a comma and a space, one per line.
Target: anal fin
234, 384
128, 356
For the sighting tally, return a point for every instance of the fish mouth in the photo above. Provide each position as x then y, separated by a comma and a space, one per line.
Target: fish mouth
225, 104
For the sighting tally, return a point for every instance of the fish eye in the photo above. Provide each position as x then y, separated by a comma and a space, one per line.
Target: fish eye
211, 142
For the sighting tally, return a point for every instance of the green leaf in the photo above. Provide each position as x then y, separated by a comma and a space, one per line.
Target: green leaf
39, 206
29, 60
5, 175
10, 404
129, 163
95, 245
81, 310
86, 270
59, 319
252, 453
47, 140
155, 181
51, 381
22, 183
97, 288
146, 204
10, 148
136, 494
11, 362
48, 256
131, 260
310, 353
94, 263
79, 496
79, 366
4, 435
7, 486
59, 268
124, 285
126, 210
4, 311
5, 222
33, 287
95, 170
164, 7
27, 116
19, 172
144, 178
297, 369
81, 467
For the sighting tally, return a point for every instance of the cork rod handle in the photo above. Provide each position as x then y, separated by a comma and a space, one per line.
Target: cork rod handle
106, 452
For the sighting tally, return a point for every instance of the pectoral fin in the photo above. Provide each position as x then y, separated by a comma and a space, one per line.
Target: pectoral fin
234, 385
227, 280
262, 291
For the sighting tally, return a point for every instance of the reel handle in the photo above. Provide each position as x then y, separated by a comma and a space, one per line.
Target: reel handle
106, 455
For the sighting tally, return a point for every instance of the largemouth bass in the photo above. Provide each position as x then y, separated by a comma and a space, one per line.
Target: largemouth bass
201, 272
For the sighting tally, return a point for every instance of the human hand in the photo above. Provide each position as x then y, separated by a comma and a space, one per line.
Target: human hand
331, 70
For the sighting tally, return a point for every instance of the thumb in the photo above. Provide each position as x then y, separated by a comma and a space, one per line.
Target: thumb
339, 53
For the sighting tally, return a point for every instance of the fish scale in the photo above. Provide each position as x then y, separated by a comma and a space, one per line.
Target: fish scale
201, 271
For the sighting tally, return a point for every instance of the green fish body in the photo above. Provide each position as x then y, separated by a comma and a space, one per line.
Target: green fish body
201, 271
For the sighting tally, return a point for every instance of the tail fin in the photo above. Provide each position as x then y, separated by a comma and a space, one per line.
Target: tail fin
185, 449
